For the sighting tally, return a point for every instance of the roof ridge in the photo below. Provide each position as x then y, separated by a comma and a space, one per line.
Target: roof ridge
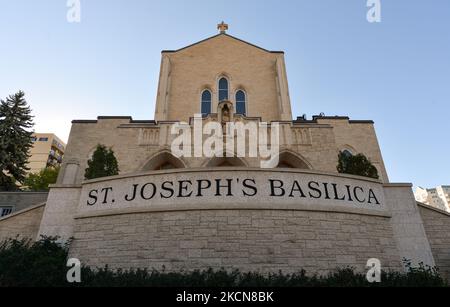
217, 35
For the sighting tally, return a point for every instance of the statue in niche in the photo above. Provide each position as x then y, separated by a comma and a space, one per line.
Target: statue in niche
225, 111
225, 114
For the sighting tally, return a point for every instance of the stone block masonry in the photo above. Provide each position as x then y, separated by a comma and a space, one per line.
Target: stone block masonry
23, 224
248, 240
437, 227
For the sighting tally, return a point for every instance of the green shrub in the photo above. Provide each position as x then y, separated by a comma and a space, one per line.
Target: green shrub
43, 264
24, 263
102, 164
358, 165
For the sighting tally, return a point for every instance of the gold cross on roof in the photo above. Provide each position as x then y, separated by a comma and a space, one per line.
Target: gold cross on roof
222, 27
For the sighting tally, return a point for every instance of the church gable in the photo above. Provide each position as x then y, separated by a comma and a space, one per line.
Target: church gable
222, 37
256, 80
249, 69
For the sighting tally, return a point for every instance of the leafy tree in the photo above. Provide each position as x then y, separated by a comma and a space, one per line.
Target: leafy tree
40, 181
102, 164
358, 165
15, 140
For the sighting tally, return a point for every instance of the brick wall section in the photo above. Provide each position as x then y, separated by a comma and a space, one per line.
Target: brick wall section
263, 240
24, 224
437, 227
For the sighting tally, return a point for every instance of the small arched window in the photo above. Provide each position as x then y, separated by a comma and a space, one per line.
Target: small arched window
206, 102
223, 89
241, 103
344, 157
347, 153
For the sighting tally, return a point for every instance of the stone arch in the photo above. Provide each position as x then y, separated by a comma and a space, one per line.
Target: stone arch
163, 160
290, 159
94, 148
225, 162
349, 148
225, 75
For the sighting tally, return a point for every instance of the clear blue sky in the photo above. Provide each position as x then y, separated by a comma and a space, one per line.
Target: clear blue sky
396, 72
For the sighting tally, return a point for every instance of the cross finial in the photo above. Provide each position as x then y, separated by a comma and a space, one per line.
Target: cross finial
222, 27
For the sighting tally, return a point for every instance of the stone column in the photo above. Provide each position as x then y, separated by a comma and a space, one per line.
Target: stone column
60, 209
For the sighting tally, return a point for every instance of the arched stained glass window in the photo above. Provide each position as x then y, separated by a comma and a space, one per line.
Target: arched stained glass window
223, 89
206, 102
241, 103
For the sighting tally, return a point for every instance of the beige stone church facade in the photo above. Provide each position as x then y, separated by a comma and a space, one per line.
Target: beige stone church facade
201, 212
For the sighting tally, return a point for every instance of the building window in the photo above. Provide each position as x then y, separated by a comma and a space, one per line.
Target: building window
4, 211
223, 89
206, 102
43, 139
347, 153
33, 139
241, 103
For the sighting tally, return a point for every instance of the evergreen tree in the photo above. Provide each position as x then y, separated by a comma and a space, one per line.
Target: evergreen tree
357, 165
16, 122
40, 181
102, 164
